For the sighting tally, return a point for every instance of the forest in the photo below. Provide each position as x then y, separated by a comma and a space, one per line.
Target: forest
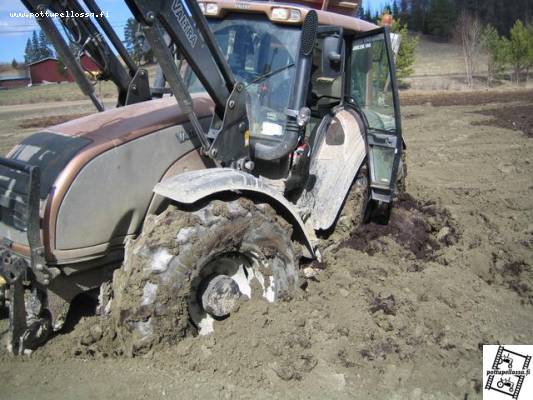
439, 17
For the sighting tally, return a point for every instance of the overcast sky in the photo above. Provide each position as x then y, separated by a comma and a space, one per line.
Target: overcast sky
14, 32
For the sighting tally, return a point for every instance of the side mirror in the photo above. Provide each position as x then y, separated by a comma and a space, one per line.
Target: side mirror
332, 56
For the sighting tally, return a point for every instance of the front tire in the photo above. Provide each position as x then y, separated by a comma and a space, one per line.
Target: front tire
185, 261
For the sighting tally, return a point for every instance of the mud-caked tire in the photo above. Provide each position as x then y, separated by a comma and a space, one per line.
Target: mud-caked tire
401, 180
353, 211
152, 291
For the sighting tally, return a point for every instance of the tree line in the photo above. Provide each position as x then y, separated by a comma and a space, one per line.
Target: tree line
38, 47
440, 17
502, 30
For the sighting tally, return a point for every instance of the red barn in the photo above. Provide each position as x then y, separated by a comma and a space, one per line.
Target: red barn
51, 70
48, 70
13, 79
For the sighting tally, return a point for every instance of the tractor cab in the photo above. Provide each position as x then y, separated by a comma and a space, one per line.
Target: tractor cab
292, 95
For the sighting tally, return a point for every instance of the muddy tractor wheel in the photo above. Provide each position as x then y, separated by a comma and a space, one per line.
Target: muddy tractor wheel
401, 181
352, 213
189, 269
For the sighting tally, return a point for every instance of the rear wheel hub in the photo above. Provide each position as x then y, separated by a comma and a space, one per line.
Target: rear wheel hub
221, 296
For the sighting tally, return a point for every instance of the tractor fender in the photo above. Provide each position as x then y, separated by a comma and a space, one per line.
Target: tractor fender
192, 186
336, 159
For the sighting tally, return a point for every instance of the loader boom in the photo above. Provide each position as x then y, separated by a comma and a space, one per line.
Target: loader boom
185, 24
132, 82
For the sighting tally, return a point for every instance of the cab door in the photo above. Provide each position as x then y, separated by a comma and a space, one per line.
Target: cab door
371, 87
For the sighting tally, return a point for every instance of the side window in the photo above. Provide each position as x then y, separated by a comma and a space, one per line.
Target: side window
370, 82
323, 86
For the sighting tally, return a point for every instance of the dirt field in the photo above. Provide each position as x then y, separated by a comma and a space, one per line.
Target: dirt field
396, 312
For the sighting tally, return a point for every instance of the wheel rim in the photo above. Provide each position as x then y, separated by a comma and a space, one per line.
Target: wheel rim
212, 285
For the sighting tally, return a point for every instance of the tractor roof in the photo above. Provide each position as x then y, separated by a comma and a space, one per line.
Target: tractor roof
330, 12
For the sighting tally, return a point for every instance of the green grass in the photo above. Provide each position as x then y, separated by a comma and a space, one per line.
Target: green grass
60, 92
52, 93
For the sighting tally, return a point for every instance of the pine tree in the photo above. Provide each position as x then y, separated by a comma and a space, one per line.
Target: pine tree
132, 43
44, 46
29, 54
14, 64
404, 11
495, 47
361, 13
441, 18
35, 46
406, 55
395, 10
519, 49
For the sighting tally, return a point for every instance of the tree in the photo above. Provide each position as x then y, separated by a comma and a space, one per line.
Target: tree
44, 46
406, 54
441, 18
395, 10
35, 46
14, 64
419, 15
361, 12
29, 54
519, 49
469, 30
496, 49
530, 52
132, 42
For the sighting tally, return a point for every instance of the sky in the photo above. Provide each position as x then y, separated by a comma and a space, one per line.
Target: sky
15, 31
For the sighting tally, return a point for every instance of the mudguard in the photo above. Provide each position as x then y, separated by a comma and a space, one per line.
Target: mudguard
192, 186
335, 161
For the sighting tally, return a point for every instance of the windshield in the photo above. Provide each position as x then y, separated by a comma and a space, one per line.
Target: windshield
262, 55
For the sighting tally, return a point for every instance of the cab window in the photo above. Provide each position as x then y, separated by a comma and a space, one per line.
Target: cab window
371, 85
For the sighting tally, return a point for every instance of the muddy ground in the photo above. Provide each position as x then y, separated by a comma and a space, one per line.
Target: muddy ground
396, 312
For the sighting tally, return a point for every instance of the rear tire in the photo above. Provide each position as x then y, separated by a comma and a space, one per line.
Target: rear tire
353, 211
158, 291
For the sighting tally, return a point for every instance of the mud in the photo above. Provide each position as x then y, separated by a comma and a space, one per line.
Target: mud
394, 312
165, 267
517, 117
464, 98
419, 227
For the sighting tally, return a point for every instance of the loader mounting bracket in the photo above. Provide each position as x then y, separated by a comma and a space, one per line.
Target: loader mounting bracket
231, 146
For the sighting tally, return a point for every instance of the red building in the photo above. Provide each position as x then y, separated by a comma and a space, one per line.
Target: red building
13, 79
50, 70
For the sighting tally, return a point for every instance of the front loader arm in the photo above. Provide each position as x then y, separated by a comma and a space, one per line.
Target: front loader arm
185, 24
132, 84
187, 27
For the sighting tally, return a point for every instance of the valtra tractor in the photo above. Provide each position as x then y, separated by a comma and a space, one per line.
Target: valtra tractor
269, 126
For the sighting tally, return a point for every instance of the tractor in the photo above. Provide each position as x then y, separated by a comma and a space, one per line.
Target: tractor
269, 126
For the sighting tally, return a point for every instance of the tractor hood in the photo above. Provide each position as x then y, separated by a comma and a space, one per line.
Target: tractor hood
63, 150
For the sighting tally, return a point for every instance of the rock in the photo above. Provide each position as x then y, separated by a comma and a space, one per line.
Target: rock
416, 394
461, 382
340, 381
93, 335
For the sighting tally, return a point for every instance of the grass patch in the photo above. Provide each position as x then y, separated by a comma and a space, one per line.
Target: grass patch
52, 93
39, 122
